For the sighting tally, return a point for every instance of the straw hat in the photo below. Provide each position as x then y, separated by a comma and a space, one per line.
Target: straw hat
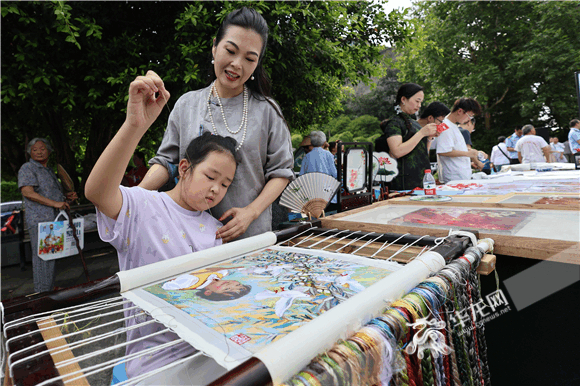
305, 141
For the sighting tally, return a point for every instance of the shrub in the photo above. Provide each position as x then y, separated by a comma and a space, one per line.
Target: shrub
10, 191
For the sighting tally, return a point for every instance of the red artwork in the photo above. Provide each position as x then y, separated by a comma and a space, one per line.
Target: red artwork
559, 200
442, 127
488, 219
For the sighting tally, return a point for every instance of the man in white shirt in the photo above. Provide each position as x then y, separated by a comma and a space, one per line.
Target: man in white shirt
454, 157
532, 148
499, 154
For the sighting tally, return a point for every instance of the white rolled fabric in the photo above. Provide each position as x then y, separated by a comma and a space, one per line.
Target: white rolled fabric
320, 334
166, 269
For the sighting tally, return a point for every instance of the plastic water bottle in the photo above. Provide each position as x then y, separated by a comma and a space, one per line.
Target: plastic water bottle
429, 183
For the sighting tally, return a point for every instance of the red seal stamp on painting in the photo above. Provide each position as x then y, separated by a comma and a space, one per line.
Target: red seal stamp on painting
240, 339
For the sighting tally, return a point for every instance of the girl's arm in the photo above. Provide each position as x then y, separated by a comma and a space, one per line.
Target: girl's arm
102, 186
243, 217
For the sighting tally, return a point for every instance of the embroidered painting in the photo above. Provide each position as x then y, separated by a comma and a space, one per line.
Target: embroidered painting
255, 299
559, 200
488, 219
356, 169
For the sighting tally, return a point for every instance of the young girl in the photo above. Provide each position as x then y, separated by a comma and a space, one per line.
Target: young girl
146, 226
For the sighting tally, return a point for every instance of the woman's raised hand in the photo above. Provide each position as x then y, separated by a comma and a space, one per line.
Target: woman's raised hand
429, 130
147, 96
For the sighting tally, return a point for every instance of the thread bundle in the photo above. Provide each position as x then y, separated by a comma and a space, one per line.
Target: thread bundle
428, 337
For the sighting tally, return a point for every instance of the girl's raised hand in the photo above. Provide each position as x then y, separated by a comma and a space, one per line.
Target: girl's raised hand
147, 96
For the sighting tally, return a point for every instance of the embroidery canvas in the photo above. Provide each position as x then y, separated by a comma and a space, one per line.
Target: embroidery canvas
529, 186
283, 290
488, 219
355, 169
384, 167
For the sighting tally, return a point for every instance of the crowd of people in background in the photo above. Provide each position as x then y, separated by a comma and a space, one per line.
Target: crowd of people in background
447, 133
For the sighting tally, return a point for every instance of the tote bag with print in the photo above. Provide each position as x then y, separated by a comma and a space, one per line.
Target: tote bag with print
56, 240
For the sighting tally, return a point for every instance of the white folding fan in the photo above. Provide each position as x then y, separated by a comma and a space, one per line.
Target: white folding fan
309, 193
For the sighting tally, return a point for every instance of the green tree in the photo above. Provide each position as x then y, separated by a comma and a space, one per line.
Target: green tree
65, 75
364, 126
66, 66
335, 127
296, 139
380, 100
516, 58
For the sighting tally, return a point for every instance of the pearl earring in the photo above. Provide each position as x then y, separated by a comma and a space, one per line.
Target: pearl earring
212, 61
252, 77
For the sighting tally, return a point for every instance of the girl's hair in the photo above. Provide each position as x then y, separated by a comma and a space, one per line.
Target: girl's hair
249, 18
407, 90
217, 297
31, 143
201, 147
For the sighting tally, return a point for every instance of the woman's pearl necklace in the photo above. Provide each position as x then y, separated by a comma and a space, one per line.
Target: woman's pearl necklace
243, 123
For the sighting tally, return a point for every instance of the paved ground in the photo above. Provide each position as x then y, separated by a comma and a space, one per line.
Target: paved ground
101, 263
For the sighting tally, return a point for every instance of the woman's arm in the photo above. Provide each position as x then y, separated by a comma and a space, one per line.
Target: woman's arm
243, 217
102, 187
28, 192
156, 177
167, 153
398, 148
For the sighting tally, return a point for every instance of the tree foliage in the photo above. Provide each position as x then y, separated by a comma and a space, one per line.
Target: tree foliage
363, 128
66, 66
516, 58
380, 100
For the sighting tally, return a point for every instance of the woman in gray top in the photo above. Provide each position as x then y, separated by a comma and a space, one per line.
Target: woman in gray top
43, 197
236, 104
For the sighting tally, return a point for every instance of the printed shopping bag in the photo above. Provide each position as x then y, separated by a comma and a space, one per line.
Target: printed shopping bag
56, 240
